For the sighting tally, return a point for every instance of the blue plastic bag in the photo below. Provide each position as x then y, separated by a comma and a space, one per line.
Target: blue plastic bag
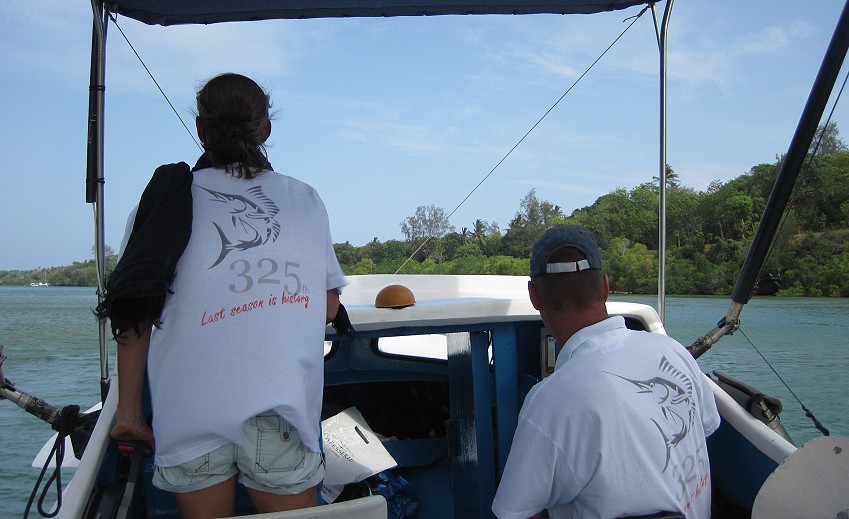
401, 500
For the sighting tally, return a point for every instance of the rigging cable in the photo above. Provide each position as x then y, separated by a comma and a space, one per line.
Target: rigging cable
149, 73
805, 171
491, 171
532, 128
808, 166
820, 427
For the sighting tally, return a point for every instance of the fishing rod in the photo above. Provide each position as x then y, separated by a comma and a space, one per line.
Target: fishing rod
783, 187
67, 422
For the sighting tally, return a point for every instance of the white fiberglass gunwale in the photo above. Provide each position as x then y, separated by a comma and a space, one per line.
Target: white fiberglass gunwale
448, 300
753, 430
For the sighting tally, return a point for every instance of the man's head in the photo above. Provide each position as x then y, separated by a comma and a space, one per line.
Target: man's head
566, 272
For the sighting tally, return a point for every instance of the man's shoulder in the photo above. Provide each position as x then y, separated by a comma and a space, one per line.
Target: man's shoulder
574, 386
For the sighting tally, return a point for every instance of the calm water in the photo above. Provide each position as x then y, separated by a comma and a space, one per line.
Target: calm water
50, 340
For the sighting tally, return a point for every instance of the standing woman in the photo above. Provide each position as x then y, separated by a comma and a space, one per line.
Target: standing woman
236, 360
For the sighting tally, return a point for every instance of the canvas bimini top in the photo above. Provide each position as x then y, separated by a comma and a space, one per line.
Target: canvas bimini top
170, 12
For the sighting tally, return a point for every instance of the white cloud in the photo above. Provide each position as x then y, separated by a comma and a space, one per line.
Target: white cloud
191, 54
721, 58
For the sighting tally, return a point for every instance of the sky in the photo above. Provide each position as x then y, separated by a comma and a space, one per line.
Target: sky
382, 116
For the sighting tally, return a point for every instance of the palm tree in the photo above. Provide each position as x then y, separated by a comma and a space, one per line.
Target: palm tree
479, 232
672, 180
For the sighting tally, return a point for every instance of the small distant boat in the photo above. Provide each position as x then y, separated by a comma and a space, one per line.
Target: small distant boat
43, 282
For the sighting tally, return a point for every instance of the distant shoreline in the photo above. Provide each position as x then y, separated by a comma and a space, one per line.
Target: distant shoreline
612, 293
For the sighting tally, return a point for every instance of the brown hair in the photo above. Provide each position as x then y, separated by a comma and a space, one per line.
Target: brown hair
570, 290
233, 112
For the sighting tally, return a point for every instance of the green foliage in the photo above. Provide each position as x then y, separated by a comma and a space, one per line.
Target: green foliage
78, 274
532, 219
708, 234
424, 231
631, 267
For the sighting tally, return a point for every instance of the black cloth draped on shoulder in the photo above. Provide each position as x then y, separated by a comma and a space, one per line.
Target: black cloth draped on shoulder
136, 289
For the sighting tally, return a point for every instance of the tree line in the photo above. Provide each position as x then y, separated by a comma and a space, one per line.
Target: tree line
77, 274
708, 235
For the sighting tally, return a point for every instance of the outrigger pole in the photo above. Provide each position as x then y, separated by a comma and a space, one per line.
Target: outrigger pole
94, 167
784, 184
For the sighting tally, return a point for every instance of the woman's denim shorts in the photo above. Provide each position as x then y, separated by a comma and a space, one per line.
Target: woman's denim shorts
271, 459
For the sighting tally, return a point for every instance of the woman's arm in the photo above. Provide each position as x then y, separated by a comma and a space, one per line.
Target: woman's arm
132, 361
332, 304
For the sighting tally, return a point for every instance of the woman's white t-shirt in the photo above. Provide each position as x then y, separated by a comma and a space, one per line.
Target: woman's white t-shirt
243, 330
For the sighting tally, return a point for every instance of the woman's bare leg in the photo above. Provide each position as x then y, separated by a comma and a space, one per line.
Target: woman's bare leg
211, 502
265, 502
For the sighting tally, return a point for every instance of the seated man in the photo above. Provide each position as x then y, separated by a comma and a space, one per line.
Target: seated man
619, 428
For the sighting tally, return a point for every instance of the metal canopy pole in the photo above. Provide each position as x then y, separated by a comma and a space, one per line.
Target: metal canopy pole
662, 31
94, 167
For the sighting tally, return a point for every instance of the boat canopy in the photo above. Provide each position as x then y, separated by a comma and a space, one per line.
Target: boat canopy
169, 12
204, 12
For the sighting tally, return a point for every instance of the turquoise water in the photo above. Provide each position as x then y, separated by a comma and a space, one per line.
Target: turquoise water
805, 340
49, 335
50, 339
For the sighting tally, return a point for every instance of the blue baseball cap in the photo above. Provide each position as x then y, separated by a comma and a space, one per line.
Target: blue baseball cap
557, 237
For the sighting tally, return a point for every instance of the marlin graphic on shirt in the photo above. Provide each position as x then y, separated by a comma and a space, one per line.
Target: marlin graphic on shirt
673, 391
252, 218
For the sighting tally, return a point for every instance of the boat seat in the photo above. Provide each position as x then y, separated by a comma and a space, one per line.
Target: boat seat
658, 515
370, 507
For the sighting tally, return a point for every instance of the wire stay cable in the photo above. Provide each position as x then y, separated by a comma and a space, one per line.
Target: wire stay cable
532, 128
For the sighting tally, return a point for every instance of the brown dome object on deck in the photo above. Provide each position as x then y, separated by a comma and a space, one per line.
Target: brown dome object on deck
394, 296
